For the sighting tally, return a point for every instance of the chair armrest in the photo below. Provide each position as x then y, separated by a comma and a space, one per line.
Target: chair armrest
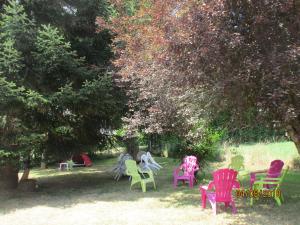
207, 187
236, 184
266, 182
258, 173
177, 170
268, 176
149, 172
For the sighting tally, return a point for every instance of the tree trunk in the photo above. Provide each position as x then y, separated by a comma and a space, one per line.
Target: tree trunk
132, 146
26, 169
150, 143
43, 161
8, 177
294, 134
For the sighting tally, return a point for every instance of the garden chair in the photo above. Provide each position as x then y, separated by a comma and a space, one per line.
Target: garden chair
268, 187
223, 182
188, 167
120, 168
237, 164
135, 172
148, 163
273, 172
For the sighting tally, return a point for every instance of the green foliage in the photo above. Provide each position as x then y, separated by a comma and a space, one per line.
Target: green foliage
131, 7
207, 147
256, 134
52, 51
11, 96
14, 22
10, 58
250, 133
76, 20
8, 158
35, 101
171, 143
120, 132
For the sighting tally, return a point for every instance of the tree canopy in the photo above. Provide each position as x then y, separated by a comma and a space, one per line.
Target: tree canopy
57, 90
190, 61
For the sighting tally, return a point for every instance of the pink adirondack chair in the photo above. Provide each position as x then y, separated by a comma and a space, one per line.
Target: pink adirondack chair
273, 172
189, 167
223, 182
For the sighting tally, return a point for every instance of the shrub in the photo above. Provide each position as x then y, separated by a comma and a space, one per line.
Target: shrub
205, 148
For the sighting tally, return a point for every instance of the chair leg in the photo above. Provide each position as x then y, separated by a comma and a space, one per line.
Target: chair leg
252, 179
278, 201
143, 186
191, 182
203, 198
251, 201
233, 207
175, 183
281, 196
214, 207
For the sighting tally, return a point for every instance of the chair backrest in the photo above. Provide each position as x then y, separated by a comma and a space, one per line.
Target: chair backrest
223, 180
237, 163
131, 168
275, 168
190, 165
283, 175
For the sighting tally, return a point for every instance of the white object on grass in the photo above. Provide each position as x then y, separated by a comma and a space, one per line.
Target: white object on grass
120, 168
148, 163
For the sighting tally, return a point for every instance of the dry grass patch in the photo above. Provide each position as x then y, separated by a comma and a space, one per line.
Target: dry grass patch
90, 196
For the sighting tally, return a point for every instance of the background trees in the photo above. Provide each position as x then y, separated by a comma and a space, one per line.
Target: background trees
190, 65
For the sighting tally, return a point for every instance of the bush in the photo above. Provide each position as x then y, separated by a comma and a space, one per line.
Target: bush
205, 148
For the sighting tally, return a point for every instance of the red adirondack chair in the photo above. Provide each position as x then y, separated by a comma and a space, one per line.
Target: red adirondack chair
223, 182
188, 167
273, 172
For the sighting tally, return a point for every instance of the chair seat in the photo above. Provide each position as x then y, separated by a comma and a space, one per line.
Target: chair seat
147, 180
211, 196
183, 177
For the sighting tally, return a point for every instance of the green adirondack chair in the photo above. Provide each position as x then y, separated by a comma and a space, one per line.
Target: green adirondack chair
272, 185
237, 163
137, 175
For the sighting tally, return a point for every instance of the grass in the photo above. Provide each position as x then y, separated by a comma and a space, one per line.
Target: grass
91, 196
259, 155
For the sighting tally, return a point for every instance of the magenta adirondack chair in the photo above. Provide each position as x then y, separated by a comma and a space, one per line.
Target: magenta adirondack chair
273, 172
223, 182
188, 167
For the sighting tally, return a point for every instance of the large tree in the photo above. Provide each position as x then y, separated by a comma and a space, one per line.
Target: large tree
193, 60
54, 101
245, 54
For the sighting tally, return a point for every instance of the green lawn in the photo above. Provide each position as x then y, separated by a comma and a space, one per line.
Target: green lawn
91, 196
259, 155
